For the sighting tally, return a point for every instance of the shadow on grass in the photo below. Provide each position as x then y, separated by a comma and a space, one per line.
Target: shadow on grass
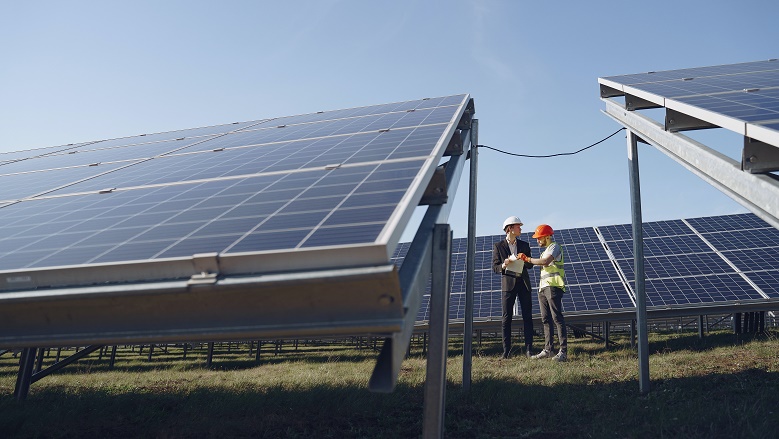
720, 405
240, 359
130, 361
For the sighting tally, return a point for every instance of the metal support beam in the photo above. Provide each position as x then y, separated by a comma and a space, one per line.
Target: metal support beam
413, 276
435, 382
61, 364
700, 326
470, 259
24, 377
638, 252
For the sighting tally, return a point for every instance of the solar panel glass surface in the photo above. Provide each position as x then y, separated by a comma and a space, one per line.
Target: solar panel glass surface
739, 93
323, 180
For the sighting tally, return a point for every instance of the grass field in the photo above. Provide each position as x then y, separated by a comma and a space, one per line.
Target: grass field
721, 386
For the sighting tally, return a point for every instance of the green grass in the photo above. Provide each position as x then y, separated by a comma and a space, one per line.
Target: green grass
722, 386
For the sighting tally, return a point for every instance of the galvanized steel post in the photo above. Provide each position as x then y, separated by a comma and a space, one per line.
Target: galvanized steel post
638, 261
470, 258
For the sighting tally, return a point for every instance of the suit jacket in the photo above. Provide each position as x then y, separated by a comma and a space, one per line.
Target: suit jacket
500, 252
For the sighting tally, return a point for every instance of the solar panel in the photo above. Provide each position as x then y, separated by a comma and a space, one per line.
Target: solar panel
698, 290
767, 280
736, 239
742, 97
272, 187
280, 227
742, 221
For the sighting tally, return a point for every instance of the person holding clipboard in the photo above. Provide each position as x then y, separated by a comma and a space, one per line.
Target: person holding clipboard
514, 283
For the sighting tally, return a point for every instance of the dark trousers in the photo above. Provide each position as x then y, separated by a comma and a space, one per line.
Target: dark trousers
550, 300
525, 304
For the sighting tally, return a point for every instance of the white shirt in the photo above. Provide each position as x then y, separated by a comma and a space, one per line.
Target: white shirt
512, 247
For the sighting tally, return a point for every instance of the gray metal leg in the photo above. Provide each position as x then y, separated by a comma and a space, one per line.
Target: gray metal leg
638, 252
24, 378
435, 384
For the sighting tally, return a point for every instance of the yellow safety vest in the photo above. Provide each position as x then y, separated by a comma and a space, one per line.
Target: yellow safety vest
553, 275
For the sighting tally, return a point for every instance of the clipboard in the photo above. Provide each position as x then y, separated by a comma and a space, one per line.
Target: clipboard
516, 265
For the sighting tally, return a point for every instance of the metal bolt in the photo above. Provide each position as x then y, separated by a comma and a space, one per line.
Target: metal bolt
753, 159
386, 299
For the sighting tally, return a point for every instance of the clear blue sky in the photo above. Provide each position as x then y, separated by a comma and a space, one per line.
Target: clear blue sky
91, 70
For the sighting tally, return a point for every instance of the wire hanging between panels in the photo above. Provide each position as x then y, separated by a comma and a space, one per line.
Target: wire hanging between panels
553, 155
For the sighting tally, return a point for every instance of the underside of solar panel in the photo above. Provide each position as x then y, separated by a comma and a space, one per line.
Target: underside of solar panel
274, 227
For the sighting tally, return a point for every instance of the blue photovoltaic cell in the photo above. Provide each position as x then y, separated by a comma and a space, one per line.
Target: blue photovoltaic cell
15, 156
590, 272
191, 133
90, 154
19, 186
665, 228
678, 245
727, 222
649, 230
739, 239
622, 249
756, 106
584, 252
698, 290
616, 232
573, 236
767, 280
755, 67
596, 297
678, 266
754, 259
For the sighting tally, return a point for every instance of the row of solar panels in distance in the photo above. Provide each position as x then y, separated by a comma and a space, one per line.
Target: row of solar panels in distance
680, 268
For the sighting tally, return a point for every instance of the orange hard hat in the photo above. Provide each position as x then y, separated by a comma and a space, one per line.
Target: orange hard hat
543, 230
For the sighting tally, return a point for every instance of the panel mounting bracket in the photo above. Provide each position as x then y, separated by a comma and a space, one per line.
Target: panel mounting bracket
436, 194
455, 146
676, 121
206, 267
759, 157
636, 103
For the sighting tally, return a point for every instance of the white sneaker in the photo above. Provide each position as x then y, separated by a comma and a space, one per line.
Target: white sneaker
542, 354
561, 356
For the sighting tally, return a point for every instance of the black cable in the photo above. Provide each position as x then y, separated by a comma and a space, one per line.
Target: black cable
553, 155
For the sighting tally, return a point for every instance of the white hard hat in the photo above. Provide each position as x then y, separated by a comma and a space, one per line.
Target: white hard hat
511, 220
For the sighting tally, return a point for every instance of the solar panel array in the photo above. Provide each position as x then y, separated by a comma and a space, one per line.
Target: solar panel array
282, 185
743, 97
688, 262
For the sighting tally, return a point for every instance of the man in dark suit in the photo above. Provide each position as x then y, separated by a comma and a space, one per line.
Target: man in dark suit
513, 284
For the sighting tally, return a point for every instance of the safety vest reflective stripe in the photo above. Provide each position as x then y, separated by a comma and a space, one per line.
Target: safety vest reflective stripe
553, 275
